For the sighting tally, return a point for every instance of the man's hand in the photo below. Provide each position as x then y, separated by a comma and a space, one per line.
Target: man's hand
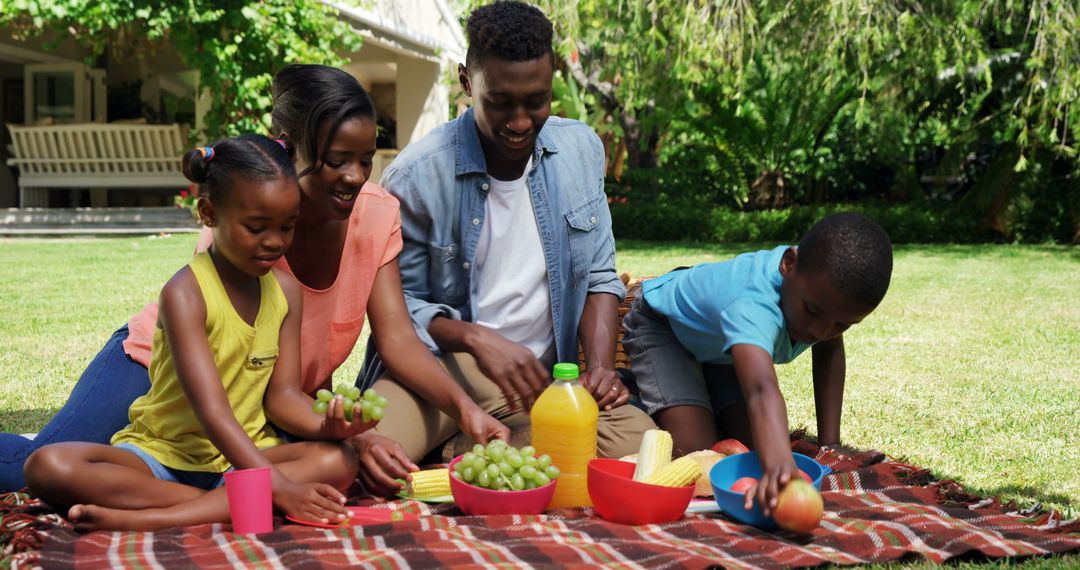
481, 426
382, 461
606, 387
512, 367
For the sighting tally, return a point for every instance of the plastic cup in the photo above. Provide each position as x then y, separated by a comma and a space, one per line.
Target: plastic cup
251, 504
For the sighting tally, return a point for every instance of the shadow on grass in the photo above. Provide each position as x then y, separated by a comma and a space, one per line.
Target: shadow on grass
25, 421
1027, 496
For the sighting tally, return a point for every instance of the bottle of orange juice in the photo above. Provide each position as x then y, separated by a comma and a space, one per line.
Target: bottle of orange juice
564, 426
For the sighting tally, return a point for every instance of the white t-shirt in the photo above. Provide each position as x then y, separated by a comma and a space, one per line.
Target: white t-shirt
511, 278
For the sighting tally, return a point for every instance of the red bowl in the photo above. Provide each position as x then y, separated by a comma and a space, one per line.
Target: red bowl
473, 500
618, 498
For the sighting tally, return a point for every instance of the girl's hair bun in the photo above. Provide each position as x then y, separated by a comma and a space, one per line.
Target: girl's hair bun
196, 162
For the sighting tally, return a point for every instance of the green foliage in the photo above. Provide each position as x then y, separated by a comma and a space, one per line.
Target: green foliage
235, 45
925, 222
781, 102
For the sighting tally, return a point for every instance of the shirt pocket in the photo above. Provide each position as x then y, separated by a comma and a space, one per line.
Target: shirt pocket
581, 225
447, 277
261, 359
341, 341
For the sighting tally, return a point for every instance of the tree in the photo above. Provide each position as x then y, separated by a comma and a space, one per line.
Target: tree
236, 45
880, 63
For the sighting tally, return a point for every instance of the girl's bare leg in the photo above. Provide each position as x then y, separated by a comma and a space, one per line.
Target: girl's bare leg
65, 474
305, 462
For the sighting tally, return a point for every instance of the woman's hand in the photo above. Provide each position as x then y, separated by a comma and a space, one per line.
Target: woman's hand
317, 502
606, 387
336, 428
481, 426
382, 462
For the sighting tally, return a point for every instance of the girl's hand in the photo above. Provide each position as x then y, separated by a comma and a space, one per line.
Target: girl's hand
774, 476
382, 462
481, 426
316, 502
336, 428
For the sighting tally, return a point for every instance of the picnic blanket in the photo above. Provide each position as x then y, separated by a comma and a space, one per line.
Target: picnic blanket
877, 510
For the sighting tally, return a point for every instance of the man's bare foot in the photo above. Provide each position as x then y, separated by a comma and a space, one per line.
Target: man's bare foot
88, 518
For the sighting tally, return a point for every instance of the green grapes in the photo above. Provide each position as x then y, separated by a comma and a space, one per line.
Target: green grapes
500, 467
372, 406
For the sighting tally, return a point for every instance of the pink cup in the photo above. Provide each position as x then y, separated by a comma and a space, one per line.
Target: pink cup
250, 500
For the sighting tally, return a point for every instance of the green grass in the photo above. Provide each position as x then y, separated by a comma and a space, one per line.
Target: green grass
969, 367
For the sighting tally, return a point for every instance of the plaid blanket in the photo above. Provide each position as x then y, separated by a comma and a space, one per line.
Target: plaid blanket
877, 510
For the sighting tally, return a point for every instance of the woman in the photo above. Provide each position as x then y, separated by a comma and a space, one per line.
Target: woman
344, 254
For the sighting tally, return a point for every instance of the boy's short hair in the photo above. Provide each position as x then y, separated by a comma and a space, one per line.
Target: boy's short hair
513, 31
854, 251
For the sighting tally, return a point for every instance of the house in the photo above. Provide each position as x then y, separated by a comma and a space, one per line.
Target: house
409, 47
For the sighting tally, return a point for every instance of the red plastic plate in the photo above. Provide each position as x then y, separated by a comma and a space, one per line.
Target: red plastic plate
360, 516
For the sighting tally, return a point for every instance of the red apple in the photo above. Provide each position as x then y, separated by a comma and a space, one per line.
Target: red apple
799, 507
742, 484
805, 477
729, 447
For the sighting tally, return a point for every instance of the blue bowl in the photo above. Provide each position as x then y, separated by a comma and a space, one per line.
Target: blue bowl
729, 469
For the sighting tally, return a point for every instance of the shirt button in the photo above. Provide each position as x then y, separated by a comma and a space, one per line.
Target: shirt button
484, 186
465, 265
593, 219
476, 221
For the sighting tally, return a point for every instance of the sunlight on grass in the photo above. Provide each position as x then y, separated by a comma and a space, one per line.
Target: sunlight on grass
969, 366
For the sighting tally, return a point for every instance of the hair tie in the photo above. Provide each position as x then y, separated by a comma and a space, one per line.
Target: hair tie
284, 146
207, 152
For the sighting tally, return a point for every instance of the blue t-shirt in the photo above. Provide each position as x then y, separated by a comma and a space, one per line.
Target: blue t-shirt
714, 306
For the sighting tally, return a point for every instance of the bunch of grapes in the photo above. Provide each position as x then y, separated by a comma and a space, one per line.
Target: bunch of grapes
501, 467
372, 405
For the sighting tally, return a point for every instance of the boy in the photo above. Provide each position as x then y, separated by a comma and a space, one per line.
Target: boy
703, 341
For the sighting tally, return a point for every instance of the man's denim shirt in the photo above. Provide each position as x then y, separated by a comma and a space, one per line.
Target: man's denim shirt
442, 183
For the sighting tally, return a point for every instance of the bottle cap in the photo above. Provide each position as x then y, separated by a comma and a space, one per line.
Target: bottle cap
565, 371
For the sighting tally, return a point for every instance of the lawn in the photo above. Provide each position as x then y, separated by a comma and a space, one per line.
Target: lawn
969, 367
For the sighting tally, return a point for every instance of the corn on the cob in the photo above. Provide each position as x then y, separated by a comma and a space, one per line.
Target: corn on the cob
679, 473
430, 483
655, 452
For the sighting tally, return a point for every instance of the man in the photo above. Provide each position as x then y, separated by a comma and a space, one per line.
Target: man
508, 259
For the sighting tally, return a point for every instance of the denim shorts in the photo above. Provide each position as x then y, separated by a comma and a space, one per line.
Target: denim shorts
200, 479
667, 374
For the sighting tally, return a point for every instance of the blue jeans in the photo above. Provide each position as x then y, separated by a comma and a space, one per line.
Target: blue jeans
205, 480
96, 409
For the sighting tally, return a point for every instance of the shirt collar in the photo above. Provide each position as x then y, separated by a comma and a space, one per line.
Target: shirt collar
470, 154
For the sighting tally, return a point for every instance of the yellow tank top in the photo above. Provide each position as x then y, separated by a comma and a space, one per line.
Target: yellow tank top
163, 422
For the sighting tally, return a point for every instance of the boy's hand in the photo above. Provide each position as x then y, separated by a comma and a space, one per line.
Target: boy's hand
316, 502
774, 476
336, 428
382, 461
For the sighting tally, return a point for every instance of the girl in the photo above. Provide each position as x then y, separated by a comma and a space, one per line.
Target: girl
345, 256
228, 332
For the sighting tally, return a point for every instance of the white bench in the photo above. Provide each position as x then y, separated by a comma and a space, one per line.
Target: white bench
95, 156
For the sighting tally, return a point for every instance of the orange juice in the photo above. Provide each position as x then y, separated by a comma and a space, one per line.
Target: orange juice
564, 426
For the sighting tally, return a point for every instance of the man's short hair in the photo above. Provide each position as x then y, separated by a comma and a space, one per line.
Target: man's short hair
854, 251
513, 31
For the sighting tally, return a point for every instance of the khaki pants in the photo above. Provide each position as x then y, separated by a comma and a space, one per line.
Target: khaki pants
420, 427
